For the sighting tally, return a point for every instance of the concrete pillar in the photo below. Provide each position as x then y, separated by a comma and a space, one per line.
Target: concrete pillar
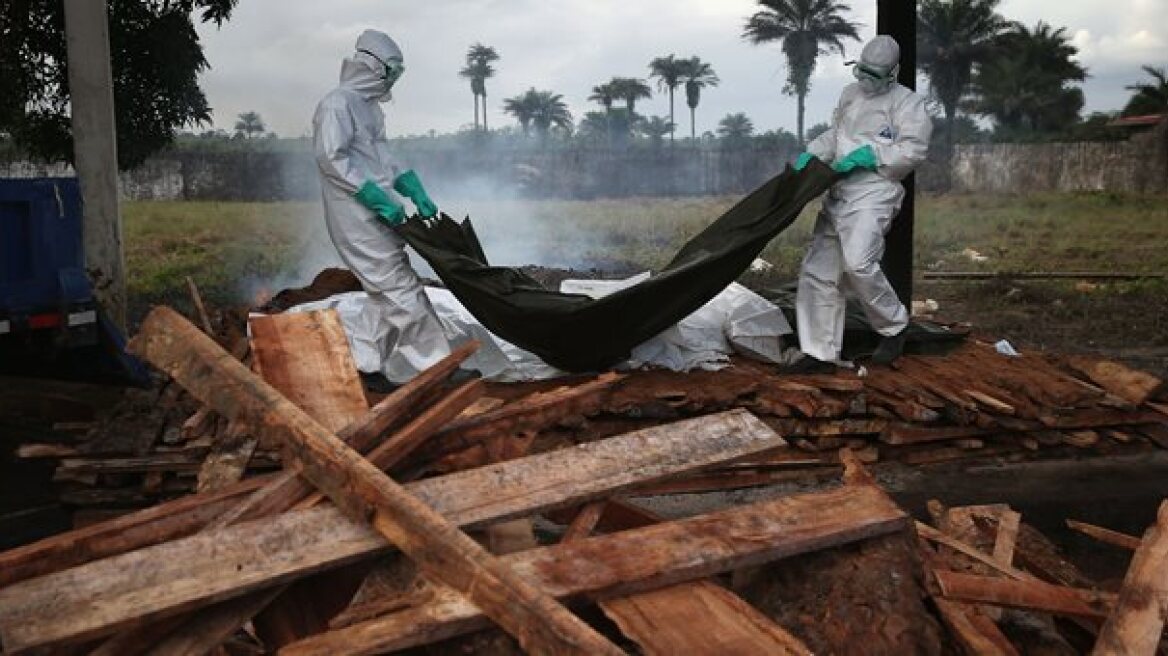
95, 151
898, 19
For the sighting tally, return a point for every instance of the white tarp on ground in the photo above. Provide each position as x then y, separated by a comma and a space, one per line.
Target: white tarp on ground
737, 320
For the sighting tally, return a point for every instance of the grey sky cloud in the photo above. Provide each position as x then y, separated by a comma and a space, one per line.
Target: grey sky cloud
278, 57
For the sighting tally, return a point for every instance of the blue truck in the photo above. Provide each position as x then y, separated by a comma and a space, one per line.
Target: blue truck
50, 321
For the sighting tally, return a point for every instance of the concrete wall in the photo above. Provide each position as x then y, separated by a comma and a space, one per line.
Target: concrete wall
1138, 165
559, 173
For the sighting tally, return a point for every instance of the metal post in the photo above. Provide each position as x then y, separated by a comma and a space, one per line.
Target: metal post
95, 151
898, 19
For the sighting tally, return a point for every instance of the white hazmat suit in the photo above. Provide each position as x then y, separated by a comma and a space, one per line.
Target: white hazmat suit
351, 148
848, 239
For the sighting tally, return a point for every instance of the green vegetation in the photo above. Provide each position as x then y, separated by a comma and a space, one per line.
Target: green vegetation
229, 248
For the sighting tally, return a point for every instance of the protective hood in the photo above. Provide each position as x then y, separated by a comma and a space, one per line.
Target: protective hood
879, 65
365, 71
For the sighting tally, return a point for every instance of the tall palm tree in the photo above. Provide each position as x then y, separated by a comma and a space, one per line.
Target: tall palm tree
1150, 97
953, 36
478, 69
605, 94
697, 75
668, 71
807, 28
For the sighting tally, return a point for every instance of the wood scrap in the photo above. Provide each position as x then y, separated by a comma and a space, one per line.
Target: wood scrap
229, 457
1129, 384
446, 554
654, 556
1025, 595
1136, 625
323, 537
1105, 535
698, 617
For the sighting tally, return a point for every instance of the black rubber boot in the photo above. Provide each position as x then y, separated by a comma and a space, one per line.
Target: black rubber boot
889, 348
808, 365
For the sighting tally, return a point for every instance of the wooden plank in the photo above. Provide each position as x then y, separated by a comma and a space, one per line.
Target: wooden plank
305, 355
219, 622
1007, 535
294, 546
534, 413
905, 433
164, 522
585, 520
640, 559
1025, 595
1137, 624
933, 535
1106, 535
699, 618
186, 515
975, 633
1129, 384
228, 459
443, 552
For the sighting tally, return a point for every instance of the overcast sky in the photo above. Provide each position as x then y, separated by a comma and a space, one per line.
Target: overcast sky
277, 57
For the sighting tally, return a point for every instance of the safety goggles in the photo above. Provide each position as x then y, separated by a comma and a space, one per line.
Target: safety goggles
862, 72
393, 68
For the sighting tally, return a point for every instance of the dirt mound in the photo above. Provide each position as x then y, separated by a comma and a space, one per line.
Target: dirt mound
326, 283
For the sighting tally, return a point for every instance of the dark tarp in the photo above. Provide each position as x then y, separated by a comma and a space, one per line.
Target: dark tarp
577, 333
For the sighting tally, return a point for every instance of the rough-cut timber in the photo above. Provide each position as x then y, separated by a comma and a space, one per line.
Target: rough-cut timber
1025, 595
696, 617
1128, 384
223, 563
700, 618
536, 412
181, 517
974, 632
1136, 625
306, 357
161, 523
1106, 535
640, 559
446, 554
292, 349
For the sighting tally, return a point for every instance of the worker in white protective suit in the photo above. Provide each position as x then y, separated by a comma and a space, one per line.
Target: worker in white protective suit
359, 176
879, 133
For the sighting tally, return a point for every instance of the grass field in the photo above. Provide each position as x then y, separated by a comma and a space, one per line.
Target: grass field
233, 249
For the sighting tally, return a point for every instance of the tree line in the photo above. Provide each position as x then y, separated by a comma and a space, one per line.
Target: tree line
1024, 80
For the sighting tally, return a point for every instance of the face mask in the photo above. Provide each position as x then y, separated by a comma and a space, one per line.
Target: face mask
392, 71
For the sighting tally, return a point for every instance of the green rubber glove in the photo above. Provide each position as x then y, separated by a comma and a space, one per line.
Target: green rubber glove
863, 157
408, 184
375, 198
803, 161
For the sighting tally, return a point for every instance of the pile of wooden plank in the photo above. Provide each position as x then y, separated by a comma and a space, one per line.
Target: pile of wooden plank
356, 546
971, 403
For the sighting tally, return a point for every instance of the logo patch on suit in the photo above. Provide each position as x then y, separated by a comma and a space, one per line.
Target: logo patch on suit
886, 133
